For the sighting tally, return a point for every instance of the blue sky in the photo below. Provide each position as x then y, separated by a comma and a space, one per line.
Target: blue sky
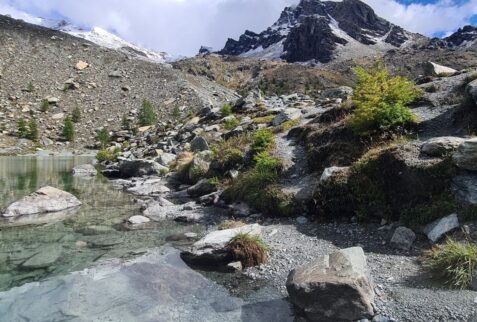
182, 26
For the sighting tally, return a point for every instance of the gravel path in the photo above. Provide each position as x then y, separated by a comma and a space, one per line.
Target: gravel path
404, 291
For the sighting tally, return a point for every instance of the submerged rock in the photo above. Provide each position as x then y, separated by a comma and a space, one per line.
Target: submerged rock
211, 251
334, 287
437, 229
44, 259
44, 200
86, 170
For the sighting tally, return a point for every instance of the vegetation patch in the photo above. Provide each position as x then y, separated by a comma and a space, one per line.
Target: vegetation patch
147, 115
453, 261
107, 154
263, 140
226, 109
285, 126
381, 101
230, 154
231, 123
263, 119
230, 224
249, 250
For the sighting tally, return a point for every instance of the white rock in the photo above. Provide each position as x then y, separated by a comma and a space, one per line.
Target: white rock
138, 220
437, 229
433, 69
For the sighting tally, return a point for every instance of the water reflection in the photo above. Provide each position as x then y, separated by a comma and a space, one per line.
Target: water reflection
92, 233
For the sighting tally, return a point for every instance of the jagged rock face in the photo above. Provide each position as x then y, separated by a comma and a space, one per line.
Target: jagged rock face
464, 36
314, 29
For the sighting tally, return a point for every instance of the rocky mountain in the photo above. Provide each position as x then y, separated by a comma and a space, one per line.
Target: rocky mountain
465, 37
38, 64
321, 31
102, 38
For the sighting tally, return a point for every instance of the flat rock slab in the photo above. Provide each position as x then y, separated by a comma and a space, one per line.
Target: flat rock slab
44, 259
437, 229
44, 200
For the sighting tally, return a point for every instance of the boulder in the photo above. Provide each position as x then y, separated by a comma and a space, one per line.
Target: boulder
210, 251
138, 220
201, 188
403, 238
140, 168
44, 200
288, 114
333, 287
199, 144
85, 170
148, 187
471, 90
440, 146
465, 188
198, 168
80, 65
433, 69
343, 92
47, 257
465, 157
329, 173
166, 158
437, 229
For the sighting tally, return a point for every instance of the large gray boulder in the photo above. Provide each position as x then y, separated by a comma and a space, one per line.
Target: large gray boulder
433, 69
166, 158
334, 287
465, 188
140, 168
288, 114
343, 92
199, 144
403, 238
44, 200
201, 188
440, 146
437, 229
211, 251
465, 157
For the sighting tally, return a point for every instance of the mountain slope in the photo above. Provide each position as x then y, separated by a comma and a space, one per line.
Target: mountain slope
38, 63
321, 31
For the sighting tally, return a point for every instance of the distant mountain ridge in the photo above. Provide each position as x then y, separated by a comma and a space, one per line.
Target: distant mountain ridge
322, 31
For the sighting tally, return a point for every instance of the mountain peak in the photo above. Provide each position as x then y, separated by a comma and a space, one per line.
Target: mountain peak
320, 31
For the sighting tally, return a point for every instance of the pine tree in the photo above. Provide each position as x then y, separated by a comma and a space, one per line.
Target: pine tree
32, 131
76, 115
104, 138
147, 115
22, 128
68, 130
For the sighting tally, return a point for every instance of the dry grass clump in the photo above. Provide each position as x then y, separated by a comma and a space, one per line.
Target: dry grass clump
249, 250
230, 224
453, 261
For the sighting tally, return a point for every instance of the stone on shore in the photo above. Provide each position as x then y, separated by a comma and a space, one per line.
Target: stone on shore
44, 200
211, 251
437, 229
140, 168
334, 287
138, 220
403, 238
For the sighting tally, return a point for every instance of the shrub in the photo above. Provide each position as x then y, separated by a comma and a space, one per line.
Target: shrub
453, 261
147, 116
231, 123
263, 140
226, 109
107, 154
76, 115
22, 128
176, 112
230, 224
267, 164
104, 138
229, 154
32, 131
44, 106
68, 132
249, 250
381, 101
30, 87
214, 181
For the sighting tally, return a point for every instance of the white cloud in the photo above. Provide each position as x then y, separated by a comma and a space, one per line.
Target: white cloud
182, 26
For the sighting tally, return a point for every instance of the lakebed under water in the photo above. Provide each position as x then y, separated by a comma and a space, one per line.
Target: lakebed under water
97, 270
